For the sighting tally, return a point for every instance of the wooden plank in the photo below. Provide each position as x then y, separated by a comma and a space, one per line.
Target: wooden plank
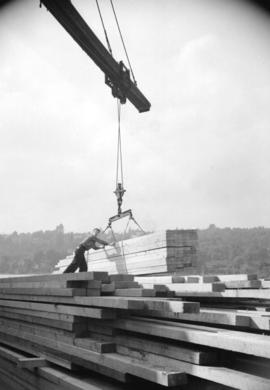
65, 325
257, 345
93, 292
62, 309
121, 278
9, 355
43, 298
201, 279
92, 275
124, 303
159, 288
112, 268
71, 381
168, 349
51, 284
208, 317
169, 305
164, 376
257, 320
196, 287
265, 283
221, 375
61, 292
30, 363
107, 288
111, 287
14, 382
95, 345
240, 294
124, 284
45, 377
231, 277
42, 314
20, 378
160, 279
243, 284
31, 379
75, 329
51, 333
27, 346
135, 292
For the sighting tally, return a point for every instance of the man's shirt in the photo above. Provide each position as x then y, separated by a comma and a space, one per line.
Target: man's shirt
90, 242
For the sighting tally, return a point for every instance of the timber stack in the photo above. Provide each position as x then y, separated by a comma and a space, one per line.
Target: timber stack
96, 330
161, 252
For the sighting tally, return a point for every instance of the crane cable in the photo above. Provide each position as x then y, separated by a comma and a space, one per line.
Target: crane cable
123, 43
120, 33
104, 29
119, 158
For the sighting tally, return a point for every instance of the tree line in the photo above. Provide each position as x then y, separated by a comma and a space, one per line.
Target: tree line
220, 250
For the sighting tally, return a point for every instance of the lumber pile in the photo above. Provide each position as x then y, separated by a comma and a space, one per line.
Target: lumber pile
57, 330
161, 252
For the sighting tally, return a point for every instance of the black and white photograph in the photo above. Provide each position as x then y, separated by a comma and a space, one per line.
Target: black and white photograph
135, 195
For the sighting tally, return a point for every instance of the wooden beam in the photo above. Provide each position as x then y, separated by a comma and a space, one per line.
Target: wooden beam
196, 287
173, 350
257, 345
31, 363
61, 309
95, 345
135, 292
125, 364
222, 375
57, 292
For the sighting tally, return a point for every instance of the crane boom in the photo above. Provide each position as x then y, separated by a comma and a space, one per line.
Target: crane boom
117, 76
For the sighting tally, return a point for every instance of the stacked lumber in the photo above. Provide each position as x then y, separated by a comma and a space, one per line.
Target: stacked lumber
49, 316
57, 330
235, 300
161, 252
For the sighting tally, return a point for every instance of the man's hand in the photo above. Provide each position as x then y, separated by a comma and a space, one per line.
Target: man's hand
110, 244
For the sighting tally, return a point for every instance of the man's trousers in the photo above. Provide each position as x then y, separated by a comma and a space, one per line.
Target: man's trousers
78, 261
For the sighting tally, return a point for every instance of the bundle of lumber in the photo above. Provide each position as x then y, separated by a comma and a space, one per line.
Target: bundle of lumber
56, 330
161, 252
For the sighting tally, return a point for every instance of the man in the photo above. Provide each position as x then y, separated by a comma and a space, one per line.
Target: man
88, 243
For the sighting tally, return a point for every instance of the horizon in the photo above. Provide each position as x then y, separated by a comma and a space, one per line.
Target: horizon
210, 226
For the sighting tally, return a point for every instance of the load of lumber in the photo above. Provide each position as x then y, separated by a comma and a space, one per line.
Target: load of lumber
161, 252
57, 330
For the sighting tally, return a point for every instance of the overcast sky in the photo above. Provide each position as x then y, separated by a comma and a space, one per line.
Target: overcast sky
200, 156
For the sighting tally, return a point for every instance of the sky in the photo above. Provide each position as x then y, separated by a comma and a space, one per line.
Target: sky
200, 156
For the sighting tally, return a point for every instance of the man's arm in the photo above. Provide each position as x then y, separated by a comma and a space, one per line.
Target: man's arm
102, 242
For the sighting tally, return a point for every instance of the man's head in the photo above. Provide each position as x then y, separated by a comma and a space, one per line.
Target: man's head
95, 231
